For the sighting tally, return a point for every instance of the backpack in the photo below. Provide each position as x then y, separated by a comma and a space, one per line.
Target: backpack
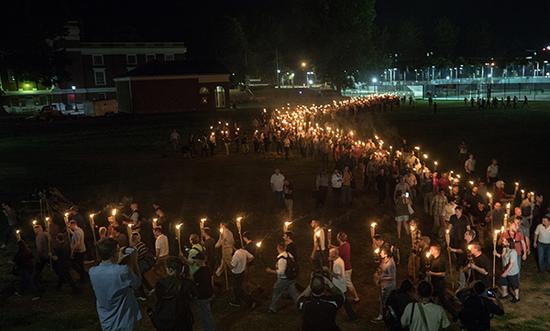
291, 271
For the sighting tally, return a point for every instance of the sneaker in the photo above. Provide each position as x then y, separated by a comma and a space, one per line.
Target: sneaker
36, 298
234, 304
356, 300
378, 318
271, 311
514, 300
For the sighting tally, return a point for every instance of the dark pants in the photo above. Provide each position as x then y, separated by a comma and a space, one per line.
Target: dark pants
39, 266
240, 296
77, 263
63, 275
322, 196
543, 252
7, 234
349, 310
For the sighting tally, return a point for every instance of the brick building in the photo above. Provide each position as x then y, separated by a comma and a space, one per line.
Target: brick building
92, 65
175, 86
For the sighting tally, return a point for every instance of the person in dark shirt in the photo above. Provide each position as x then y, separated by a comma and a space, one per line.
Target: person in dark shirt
288, 237
462, 257
62, 262
174, 293
479, 221
437, 273
396, 303
209, 244
381, 184
478, 309
319, 304
480, 266
203, 284
459, 224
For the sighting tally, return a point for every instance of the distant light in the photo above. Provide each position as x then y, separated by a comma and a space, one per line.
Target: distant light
303, 64
278, 71
489, 75
374, 80
448, 77
310, 81
27, 85
73, 87
299, 92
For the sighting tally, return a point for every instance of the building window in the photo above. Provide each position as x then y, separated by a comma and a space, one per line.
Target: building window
99, 77
220, 97
150, 57
97, 60
131, 59
168, 57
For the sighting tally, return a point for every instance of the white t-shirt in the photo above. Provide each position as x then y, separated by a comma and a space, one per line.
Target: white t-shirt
277, 182
492, 171
436, 318
161, 244
543, 234
339, 278
239, 261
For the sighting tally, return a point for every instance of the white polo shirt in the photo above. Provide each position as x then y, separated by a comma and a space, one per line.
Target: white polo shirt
543, 234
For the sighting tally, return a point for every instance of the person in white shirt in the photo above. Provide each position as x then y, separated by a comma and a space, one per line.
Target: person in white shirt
492, 172
283, 283
470, 165
339, 280
542, 243
161, 245
238, 267
336, 183
318, 252
175, 139
277, 186
227, 243
78, 250
424, 315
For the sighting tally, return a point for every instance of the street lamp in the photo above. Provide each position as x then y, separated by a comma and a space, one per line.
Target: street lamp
73, 88
303, 64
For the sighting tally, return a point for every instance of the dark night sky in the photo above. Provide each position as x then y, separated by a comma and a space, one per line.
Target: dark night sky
517, 24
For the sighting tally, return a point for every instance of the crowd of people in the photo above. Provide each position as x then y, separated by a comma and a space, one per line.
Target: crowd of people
467, 222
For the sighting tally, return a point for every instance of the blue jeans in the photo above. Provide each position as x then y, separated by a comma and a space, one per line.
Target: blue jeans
205, 315
282, 285
543, 251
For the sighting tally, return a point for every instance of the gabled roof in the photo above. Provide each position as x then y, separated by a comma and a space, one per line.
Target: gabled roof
176, 68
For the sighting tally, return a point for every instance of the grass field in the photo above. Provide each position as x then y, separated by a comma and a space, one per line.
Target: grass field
97, 161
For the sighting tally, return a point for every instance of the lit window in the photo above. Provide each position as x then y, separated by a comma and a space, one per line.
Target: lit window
99, 77
168, 57
131, 59
150, 57
97, 60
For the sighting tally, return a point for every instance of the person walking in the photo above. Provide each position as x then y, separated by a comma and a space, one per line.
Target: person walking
339, 280
78, 250
114, 282
285, 269
288, 193
277, 187
385, 279
542, 243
